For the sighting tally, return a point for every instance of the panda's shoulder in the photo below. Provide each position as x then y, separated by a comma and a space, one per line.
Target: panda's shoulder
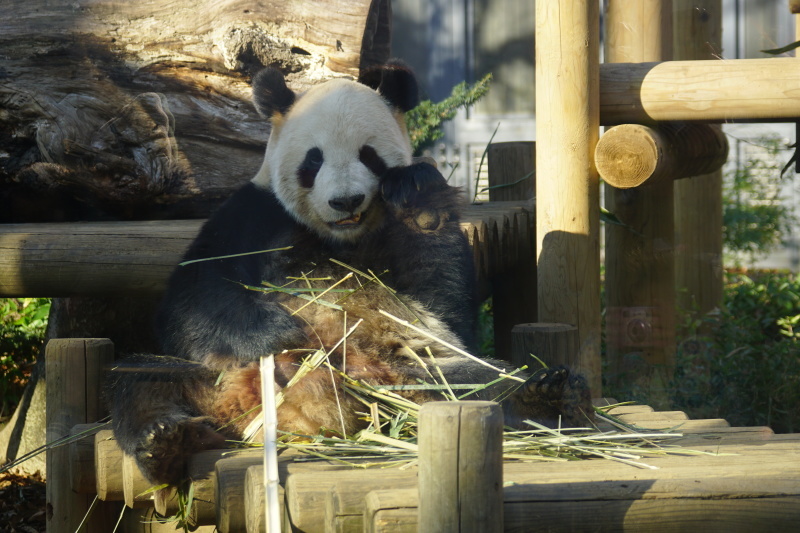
251, 217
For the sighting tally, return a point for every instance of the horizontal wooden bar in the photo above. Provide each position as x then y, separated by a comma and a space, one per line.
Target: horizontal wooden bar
759, 90
136, 258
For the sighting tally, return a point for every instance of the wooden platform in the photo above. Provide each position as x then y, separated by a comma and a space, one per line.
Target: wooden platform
749, 481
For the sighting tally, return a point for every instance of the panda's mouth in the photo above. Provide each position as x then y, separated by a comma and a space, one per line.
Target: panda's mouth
351, 221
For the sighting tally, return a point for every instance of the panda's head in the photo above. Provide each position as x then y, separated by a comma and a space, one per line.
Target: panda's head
329, 147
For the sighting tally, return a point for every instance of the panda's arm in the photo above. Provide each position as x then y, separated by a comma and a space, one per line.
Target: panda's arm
429, 255
207, 311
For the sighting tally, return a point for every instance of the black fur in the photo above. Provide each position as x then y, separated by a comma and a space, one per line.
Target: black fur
270, 93
395, 82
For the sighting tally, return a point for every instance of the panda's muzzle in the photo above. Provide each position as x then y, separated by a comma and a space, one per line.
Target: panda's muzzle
348, 204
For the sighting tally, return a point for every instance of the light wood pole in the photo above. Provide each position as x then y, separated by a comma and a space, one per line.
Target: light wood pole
640, 276
567, 190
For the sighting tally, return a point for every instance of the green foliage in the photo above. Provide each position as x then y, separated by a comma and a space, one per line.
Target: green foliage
747, 369
22, 327
425, 120
754, 219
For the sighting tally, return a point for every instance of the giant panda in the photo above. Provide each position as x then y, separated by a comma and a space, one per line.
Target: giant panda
337, 201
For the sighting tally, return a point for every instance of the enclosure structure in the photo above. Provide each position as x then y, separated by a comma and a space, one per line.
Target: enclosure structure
695, 489
734, 478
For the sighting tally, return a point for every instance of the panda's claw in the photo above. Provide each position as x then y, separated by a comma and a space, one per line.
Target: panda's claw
406, 186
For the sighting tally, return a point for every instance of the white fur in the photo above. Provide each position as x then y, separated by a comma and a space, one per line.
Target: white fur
339, 117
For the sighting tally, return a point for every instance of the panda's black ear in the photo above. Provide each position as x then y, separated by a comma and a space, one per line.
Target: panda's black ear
270, 93
394, 81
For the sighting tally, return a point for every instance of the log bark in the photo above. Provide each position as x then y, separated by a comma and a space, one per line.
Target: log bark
141, 109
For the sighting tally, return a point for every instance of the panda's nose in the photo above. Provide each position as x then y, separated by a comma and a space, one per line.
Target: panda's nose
347, 204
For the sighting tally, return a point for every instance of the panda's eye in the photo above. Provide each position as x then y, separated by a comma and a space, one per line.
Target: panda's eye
370, 159
309, 168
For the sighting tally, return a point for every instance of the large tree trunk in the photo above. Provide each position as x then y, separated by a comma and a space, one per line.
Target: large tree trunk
141, 110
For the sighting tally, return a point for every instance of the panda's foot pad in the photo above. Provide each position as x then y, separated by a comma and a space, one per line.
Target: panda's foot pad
555, 396
164, 451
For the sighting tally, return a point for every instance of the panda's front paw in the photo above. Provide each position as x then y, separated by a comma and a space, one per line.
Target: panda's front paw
404, 187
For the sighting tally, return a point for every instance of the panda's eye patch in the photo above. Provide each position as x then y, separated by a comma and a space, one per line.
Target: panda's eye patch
370, 159
309, 167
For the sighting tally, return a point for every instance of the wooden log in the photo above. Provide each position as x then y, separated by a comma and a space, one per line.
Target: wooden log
74, 375
201, 469
640, 275
758, 90
567, 185
108, 467
392, 511
229, 492
631, 155
697, 35
145, 520
641, 505
512, 178
553, 344
461, 467
344, 503
81, 458
135, 487
512, 171
136, 258
107, 98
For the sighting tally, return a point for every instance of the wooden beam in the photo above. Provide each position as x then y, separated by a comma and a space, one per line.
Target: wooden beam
766, 90
567, 186
630, 155
136, 258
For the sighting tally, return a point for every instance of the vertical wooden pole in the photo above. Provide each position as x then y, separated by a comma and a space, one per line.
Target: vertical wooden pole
461, 467
640, 275
698, 200
567, 190
74, 369
514, 298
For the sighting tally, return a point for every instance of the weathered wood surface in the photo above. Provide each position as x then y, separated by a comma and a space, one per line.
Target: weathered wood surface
141, 109
135, 258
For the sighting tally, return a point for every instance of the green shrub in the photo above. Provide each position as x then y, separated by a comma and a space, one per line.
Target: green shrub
424, 121
23, 322
747, 369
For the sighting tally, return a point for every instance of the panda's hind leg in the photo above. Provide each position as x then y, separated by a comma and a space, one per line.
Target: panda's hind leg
160, 413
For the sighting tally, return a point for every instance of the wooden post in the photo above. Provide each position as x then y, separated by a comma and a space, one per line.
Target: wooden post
567, 190
514, 298
229, 491
461, 467
134, 484
698, 200
631, 155
640, 276
554, 344
74, 369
